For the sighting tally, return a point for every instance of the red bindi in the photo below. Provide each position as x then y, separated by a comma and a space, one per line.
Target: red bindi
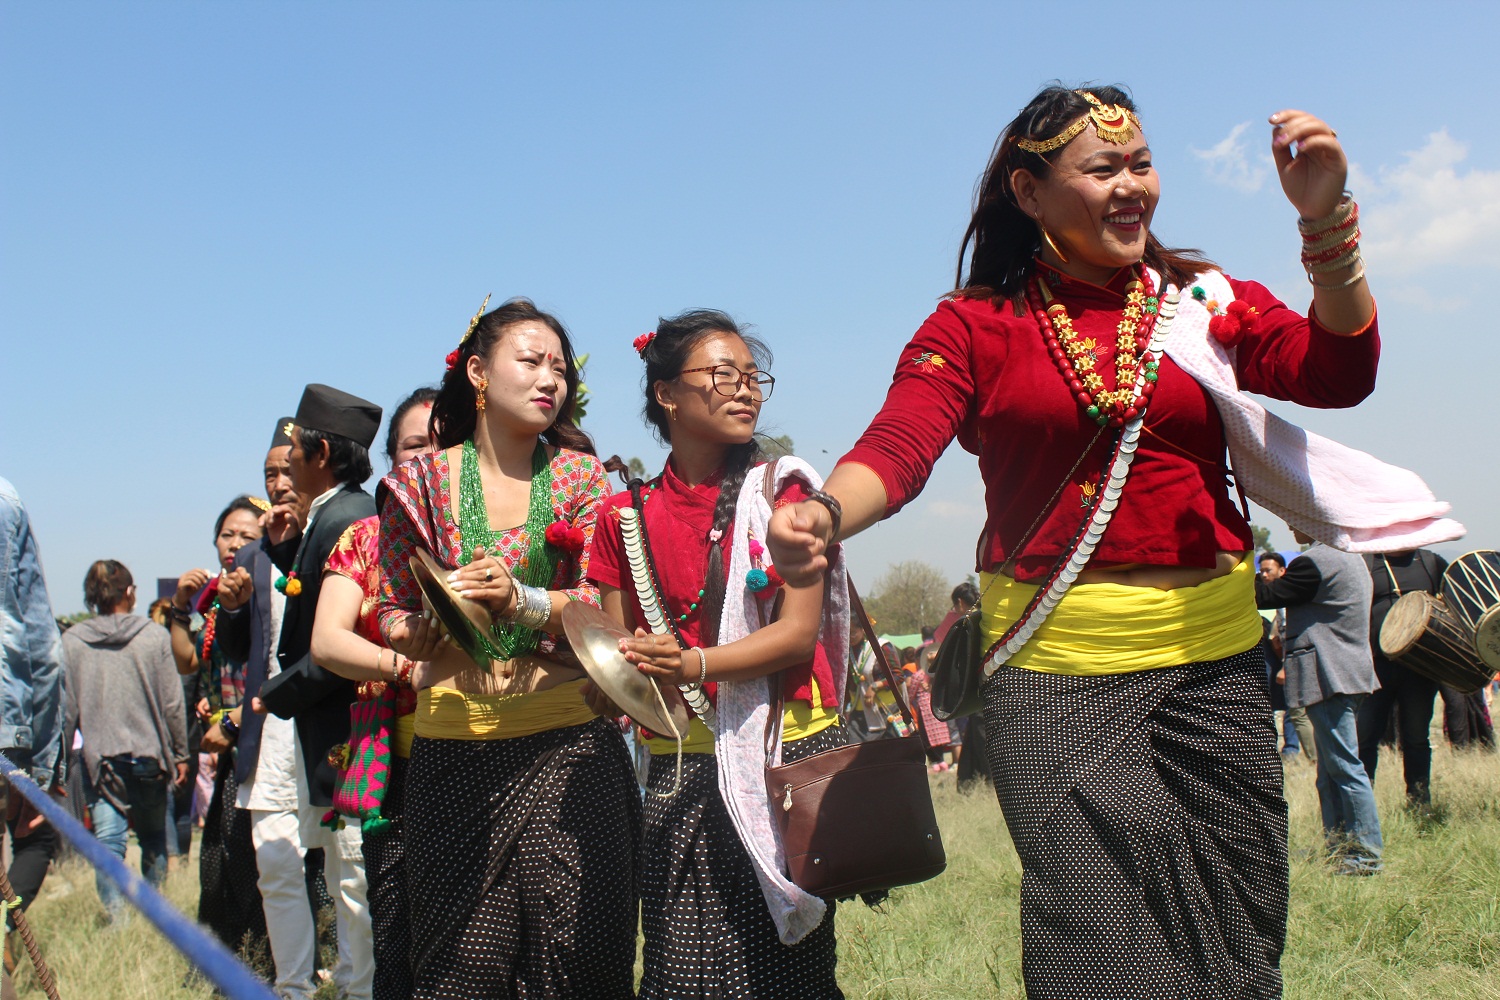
1127, 157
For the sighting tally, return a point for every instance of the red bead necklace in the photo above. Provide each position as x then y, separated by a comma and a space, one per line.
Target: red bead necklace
1076, 358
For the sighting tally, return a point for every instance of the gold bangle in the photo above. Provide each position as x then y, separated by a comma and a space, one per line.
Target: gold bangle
1337, 264
1340, 213
1358, 276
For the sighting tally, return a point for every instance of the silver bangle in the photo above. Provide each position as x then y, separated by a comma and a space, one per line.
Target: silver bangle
533, 607
702, 670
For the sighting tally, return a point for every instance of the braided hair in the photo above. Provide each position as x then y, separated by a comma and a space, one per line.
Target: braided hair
665, 355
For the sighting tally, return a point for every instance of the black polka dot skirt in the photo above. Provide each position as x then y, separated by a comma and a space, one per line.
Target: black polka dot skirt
1148, 814
520, 865
704, 919
229, 895
385, 875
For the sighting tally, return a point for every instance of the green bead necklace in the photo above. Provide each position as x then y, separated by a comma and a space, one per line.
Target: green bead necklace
691, 608
510, 640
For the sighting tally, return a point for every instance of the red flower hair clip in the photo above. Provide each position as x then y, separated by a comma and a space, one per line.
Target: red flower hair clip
562, 535
642, 342
452, 358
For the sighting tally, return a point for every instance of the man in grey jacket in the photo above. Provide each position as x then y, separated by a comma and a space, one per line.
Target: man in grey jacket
1329, 671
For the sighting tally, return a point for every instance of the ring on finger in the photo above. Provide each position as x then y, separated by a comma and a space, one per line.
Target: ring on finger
489, 575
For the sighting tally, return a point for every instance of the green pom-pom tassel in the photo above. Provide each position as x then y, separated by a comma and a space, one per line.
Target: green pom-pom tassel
1199, 293
375, 827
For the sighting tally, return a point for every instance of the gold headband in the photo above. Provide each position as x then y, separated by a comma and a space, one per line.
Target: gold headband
1112, 122
474, 323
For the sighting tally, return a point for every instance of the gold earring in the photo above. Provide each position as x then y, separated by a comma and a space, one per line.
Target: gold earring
671, 413
1047, 238
479, 391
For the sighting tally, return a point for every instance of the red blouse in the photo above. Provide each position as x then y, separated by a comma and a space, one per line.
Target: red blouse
678, 520
978, 372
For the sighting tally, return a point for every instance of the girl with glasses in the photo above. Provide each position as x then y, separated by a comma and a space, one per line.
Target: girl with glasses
707, 894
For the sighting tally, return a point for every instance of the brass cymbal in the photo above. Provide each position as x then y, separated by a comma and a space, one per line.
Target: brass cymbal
465, 620
595, 638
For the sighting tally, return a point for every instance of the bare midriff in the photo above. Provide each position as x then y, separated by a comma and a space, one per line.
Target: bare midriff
452, 668
1162, 577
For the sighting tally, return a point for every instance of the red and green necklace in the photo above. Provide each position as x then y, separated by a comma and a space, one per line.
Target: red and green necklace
1077, 358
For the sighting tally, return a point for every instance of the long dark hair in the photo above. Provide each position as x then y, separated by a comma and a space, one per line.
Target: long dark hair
453, 415
665, 357
105, 586
1005, 239
426, 394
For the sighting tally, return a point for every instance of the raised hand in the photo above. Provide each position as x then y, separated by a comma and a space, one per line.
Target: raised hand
188, 585
1310, 162
283, 521
234, 588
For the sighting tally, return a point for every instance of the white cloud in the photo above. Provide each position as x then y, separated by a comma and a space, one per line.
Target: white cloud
1231, 163
1424, 213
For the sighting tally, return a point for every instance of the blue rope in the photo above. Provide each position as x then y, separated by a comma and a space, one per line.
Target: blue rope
205, 952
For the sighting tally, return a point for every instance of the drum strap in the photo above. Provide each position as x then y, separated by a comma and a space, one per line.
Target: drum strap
1391, 573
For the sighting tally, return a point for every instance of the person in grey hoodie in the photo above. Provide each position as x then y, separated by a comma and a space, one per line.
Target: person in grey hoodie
125, 698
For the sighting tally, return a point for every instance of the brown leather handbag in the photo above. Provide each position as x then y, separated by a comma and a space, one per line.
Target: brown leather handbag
859, 818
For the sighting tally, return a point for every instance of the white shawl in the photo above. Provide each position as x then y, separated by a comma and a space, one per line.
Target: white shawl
743, 705
1338, 495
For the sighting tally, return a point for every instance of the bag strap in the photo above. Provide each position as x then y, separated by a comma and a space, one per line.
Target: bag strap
777, 714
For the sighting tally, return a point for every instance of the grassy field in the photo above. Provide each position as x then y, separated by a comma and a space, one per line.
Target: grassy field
1429, 926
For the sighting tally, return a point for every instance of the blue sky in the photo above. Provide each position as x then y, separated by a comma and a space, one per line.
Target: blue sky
206, 206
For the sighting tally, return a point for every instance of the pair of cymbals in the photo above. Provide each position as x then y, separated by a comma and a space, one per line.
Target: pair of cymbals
594, 635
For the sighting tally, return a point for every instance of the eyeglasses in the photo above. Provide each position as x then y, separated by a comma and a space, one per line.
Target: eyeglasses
727, 380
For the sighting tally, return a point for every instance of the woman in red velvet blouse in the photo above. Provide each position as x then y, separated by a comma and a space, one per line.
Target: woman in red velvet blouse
705, 921
1128, 725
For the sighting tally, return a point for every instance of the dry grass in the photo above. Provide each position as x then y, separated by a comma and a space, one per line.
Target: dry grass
1429, 926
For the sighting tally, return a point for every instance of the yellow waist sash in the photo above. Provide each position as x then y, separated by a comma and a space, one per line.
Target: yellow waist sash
406, 728
1108, 628
445, 714
801, 720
